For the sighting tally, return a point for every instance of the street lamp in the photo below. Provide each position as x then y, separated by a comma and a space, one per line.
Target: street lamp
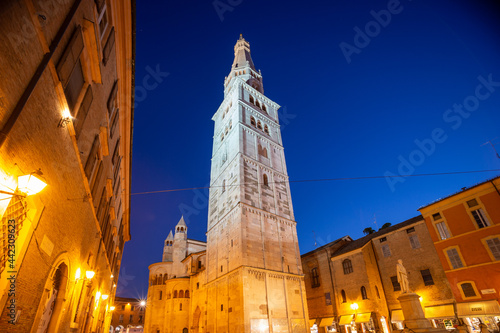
354, 307
28, 184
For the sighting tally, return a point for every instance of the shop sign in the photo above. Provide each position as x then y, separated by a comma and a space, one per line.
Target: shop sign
488, 291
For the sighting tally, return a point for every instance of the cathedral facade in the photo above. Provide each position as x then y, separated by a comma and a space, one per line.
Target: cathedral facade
248, 276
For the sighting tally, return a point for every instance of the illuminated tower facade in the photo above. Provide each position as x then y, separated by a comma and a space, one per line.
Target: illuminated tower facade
254, 273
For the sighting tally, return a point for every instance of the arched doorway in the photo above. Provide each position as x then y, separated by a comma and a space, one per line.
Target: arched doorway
54, 300
185, 330
196, 319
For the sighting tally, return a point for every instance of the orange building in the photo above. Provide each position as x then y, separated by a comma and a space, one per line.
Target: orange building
128, 315
465, 229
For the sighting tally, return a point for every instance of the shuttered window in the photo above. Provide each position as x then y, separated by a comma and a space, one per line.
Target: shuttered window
454, 257
92, 158
386, 250
414, 241
106, 52
494, 245
83, 111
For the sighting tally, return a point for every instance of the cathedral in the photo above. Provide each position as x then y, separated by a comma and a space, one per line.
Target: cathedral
248, 276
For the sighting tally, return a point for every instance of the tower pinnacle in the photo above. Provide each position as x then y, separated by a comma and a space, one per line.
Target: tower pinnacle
242, 54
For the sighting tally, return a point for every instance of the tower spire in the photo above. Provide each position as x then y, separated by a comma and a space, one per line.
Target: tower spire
242, 55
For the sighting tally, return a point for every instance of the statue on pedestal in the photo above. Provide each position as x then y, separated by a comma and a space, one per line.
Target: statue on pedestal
402, 277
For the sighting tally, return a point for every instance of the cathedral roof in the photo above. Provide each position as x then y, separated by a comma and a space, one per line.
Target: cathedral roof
242, 54
181, 222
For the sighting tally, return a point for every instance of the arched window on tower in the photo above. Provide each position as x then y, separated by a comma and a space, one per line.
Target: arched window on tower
223, 186
222, 137
265, 179
344, 298
186, 294
264, 108
165, 277
160, 279
363, 293
266, 129
251, 99
259, 125
180, 307
175, 293
258, 104
252, 121
181, 293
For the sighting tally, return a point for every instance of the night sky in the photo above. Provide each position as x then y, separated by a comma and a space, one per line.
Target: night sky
417, 93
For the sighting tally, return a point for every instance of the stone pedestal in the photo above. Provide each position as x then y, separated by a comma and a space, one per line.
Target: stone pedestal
414, 314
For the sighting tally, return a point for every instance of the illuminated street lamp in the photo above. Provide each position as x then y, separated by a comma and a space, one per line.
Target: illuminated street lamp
28, 184
89, 274
354, 307
143, 303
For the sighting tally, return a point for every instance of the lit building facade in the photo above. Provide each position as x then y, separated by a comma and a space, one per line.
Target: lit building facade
362, 275
128, 315
249, 278
65, 118
465, 229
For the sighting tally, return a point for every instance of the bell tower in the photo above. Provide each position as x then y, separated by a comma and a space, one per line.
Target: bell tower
254, 272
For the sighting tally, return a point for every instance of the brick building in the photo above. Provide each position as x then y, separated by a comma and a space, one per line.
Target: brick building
128, 315
351, 284
465, 230
66, 103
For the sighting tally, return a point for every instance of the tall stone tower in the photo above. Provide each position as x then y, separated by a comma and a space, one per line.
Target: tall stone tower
254, 272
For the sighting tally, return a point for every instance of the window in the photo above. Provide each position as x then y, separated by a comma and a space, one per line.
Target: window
264, 107
314, 277
454, 258
181, 294
199, 264
266, 129
347, 265
266, 181
363, 293
223, 186
114, 122
175, 293
180, 307
259, 125
410, 230
140, 319
79, 120
262, 151
120, 319
472, 203
92, 158
344, 298
494, 246
252, 121
197, 285
414, 242
436, 216
251, 99
395, 283
386, 251
377, 292
132, 307
222, 307
427, 277
468, 289
123, 307
442, 230
108, 47
131, 318
480, 218
383, 239
186, 294
160, 295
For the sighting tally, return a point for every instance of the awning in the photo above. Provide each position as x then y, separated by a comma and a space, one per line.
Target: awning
363, 317
345, 320
439, 311
326, 322
312, 322
483, 308
397, 315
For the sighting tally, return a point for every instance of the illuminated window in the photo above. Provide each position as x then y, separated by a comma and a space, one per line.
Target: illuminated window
347, 265
314, 277
427, 277
454, 258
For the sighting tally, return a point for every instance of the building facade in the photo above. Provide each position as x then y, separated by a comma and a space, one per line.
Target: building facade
465, 230
128, 315
362, 275
65, 119
249, 278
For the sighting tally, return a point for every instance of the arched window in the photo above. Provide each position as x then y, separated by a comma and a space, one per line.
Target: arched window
160, 279
252, 100
252, 121
223, 186
180, 307
175, 293
363, 293
266, 129
264, 108
314, 277
164, 278
259, 125
186, 294
230, 124
258, 104
344, 298
264, 152
376, 290
181, 294
222, 137
347, 265
266, 181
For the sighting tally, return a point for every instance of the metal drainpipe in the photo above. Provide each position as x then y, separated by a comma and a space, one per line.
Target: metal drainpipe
4, 132
331, 277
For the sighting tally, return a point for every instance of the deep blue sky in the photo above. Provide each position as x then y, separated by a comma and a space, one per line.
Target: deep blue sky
339, 119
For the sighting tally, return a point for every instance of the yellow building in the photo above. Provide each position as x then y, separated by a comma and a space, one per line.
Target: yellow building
65, 119
362, 275
128, 315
